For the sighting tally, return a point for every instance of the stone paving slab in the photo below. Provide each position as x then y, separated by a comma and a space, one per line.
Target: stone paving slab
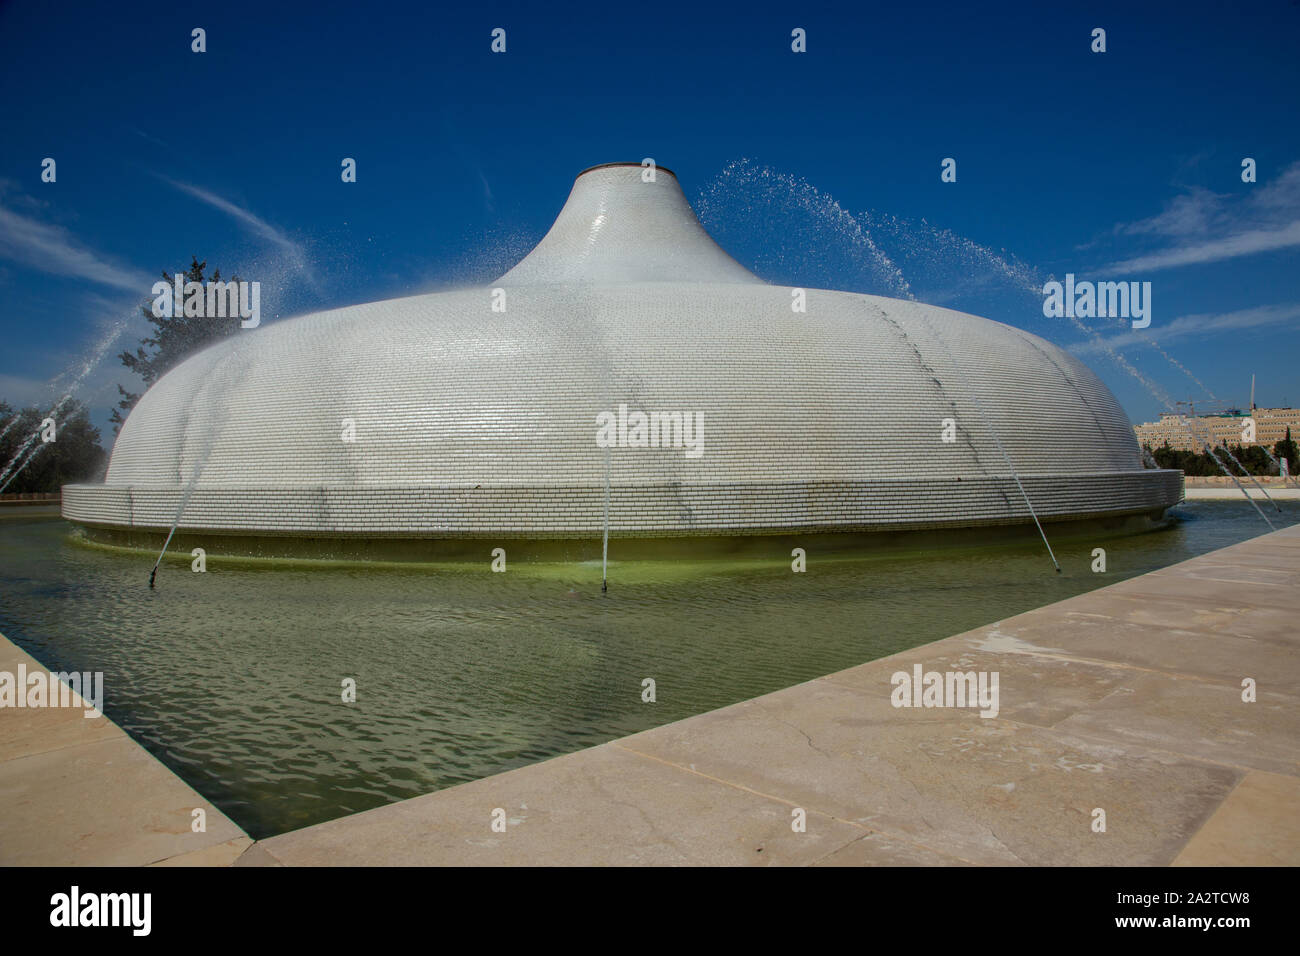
1258, 825
1117, 643
1206, 721
988, 791
221, 854
25, 732
79, 791
1127, 700
1156, 615
605, 805
1223, 494
875, 849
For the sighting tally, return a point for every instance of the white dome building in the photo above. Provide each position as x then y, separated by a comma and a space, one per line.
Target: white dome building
485, 413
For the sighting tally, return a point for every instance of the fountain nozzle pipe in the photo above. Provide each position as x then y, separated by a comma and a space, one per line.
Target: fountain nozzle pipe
604, 547
166, 544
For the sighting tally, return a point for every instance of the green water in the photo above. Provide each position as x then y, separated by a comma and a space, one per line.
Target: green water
233, 678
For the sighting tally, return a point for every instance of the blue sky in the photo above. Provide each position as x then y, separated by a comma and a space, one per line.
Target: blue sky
815, 169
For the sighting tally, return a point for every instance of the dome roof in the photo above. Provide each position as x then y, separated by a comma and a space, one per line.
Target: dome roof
620, 225
473, 421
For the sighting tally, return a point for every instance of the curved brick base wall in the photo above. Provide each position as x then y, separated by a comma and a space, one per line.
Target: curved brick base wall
676, 510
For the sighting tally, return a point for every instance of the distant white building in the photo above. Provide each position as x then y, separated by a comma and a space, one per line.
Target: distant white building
1263, 426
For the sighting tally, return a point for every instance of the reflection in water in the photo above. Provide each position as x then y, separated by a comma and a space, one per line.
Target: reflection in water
233, 678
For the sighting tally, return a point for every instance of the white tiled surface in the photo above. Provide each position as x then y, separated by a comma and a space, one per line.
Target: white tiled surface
663, 510
474, 421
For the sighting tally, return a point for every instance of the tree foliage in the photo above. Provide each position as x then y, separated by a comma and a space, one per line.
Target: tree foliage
1252, 457
174, 339
75, 455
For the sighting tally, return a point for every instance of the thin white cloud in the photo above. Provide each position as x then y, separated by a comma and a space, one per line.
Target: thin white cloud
53, 250
153, 139
1191, 214
1210, 227
1200, 324
259, 227
1217, 250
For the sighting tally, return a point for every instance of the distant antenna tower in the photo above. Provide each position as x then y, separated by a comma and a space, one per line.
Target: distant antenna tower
1252, 391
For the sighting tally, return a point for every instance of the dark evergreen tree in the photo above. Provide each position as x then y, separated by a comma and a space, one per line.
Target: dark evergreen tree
175, 338
74, 455
1286, 448
1202, 464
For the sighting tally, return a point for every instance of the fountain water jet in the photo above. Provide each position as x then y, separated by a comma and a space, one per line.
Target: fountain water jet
1209, 449
790, 197
232, 369
96, 355
26, 452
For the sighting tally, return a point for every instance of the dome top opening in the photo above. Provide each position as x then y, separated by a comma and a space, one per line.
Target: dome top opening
592, 169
